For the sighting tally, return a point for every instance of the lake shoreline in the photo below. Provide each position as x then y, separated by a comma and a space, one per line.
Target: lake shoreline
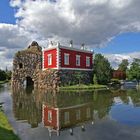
83, 87
6, 129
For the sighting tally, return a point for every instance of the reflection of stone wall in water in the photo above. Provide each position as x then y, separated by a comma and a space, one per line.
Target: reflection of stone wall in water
27, 106
27, 70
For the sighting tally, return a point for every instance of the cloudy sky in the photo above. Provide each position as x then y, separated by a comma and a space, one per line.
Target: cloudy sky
111, 27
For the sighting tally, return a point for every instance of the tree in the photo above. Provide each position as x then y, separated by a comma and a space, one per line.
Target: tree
134, 71
123, 65
78, 76
2, 75
95, 79
102, 69
8, 75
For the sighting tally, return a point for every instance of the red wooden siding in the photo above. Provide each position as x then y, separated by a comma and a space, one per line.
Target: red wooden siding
53, 122
53, 52
72, 59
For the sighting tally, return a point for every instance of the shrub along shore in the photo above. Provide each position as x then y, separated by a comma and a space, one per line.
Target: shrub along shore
84, 87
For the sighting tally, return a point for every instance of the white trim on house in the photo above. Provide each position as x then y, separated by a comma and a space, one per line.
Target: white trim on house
50, 48
76, 49
76, 69
58, 127
76, 106
68, 48
64, 68
58, 58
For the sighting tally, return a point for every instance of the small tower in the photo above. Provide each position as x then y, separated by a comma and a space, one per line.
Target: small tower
26, 65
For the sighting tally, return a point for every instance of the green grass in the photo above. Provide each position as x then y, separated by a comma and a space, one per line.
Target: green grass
6, 131
3, 82
83, 87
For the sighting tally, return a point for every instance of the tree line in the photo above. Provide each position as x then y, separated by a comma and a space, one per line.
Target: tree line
5, 75
103, 71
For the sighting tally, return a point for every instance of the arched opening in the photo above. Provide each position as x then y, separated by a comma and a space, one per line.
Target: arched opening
28, 82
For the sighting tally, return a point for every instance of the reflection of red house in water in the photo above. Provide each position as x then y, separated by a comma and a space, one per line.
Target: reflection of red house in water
66, 117
118, 74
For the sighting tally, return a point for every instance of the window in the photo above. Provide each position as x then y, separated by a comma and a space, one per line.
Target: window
77, 60
87, 61
66, 59
78, 114
49, 59
66, 117
49, 116
88, 113
20, 65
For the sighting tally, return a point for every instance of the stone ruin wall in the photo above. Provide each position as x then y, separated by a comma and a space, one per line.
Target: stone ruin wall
56, 78
28, 63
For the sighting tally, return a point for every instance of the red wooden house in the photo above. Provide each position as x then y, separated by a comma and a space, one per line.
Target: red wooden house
61, 57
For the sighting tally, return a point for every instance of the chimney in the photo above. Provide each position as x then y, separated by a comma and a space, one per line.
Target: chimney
83, 46
71, 43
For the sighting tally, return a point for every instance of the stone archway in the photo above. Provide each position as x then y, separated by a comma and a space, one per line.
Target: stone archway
28, 82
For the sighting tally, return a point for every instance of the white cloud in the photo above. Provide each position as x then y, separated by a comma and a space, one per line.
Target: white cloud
116, 59
12, 38
94, 22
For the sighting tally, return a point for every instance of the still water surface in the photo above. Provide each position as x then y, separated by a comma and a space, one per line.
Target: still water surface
99, 115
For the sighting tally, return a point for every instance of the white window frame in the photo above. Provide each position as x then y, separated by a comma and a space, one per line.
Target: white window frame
78, 114
66, 117
49, 115
49, 59
87, 61
66, 59
78, 60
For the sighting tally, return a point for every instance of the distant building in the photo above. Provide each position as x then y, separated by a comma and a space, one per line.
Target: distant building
118, 74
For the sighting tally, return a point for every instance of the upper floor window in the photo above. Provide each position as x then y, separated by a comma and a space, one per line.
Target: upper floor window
66, 59
77, 60
87, 61
49, 59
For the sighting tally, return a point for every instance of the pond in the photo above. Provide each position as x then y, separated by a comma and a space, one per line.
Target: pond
80, 115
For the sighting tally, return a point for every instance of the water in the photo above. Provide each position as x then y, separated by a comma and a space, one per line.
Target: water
99, 115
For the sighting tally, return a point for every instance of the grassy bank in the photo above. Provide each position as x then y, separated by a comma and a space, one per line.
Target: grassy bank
3, 82
6, 131
83, 87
